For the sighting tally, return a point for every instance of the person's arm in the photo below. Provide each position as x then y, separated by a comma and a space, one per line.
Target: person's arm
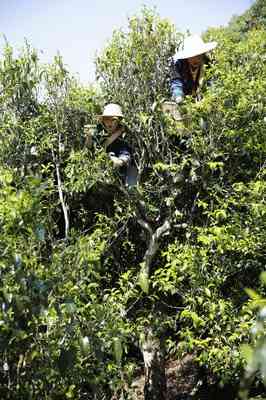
176, 85
117, 163
120, 161
123, 157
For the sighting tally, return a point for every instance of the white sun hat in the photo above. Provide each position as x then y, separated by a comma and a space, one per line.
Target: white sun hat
194, 46
111, 110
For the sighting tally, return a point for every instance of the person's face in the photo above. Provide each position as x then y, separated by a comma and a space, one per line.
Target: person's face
195, 61
111, 124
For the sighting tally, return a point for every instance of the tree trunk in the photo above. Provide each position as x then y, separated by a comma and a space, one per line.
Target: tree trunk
155, 379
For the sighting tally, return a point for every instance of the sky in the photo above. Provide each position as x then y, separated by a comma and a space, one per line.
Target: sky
79, 29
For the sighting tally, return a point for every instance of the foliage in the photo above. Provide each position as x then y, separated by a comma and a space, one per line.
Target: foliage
254, 353
88, 265
254, 17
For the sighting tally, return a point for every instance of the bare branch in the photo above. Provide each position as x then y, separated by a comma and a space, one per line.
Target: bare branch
61, 196
145, 225
153, 241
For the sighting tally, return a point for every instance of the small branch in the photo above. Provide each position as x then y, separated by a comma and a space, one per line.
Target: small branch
145, 225
162, 229
132, 305
154, 245
61, 197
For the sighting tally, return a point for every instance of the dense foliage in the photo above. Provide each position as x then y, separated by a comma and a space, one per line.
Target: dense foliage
89, 268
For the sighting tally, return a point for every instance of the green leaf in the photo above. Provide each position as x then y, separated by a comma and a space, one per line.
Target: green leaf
252, 294
247, 352
118, 349
263, 277
85, 345
144, 280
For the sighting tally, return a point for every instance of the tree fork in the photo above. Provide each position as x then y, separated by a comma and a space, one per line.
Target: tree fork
153, 241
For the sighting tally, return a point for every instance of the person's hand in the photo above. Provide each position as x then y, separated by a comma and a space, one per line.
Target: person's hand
117, 163
89, 128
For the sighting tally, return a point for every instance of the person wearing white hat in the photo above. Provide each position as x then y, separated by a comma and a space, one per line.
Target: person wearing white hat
110, 134
188, 68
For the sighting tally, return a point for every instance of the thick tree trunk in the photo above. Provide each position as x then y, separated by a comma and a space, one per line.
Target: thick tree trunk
155, 379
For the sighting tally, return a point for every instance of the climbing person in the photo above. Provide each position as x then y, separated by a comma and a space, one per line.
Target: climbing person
187, 74
110, 134
188, 68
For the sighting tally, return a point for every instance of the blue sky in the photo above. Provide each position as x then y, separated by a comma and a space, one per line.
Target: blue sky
80, 28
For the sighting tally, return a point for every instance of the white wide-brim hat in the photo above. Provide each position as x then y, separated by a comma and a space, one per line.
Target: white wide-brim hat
111, 110
194, 46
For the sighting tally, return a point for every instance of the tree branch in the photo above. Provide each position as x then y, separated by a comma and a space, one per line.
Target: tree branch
153, 241
61, 196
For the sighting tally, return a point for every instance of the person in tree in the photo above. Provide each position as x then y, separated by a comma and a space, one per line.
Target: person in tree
189, 66
110, 134
187, 75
